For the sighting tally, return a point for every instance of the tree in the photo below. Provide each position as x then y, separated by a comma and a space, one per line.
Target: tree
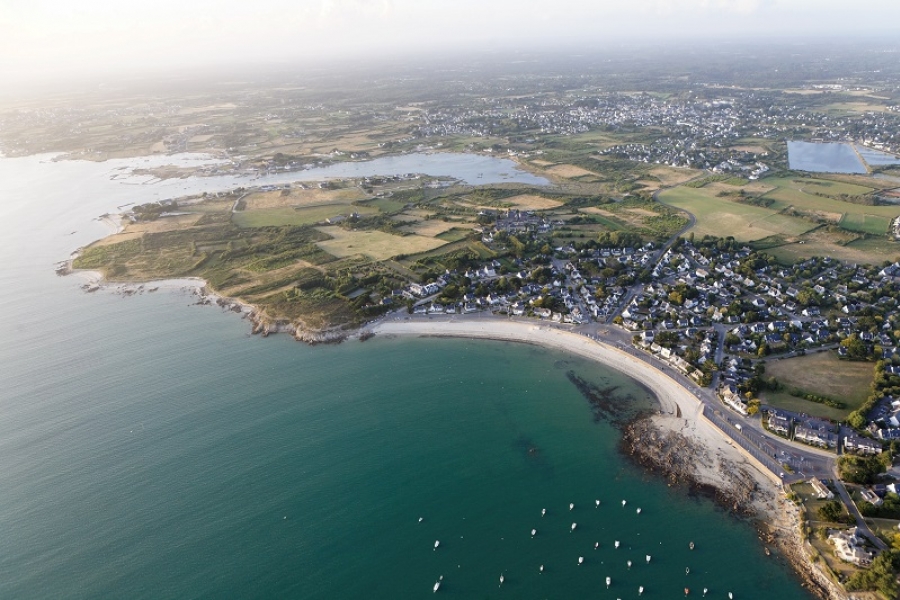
860, 469
832, 511
856, 420
856, 348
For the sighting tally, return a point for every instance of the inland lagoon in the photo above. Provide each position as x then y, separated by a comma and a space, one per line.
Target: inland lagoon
824, 158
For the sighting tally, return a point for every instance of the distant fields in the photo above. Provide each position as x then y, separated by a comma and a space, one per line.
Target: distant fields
376, 245
794, 217
287, 215
721, 217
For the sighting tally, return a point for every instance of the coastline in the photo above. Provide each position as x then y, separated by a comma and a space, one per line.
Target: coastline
714, 465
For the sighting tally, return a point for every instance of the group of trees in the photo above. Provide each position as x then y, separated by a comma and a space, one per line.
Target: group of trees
863, 470
881, 575
833, 512
884, 384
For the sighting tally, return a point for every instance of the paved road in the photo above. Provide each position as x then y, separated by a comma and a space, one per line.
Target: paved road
860, 522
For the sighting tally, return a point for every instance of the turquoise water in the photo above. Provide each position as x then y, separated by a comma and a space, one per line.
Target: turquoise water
826, 157
150, 448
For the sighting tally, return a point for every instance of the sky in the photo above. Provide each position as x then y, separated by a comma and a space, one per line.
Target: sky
52, 38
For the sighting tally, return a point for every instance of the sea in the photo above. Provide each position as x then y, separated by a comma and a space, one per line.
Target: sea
152, 448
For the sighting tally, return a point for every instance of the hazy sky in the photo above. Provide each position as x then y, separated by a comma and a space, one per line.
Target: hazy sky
39, 38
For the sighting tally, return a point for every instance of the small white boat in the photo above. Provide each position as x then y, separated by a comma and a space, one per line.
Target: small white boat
691, 545
573, 527
624, 502
687, 570
597, 503
704, 591
571, 505
580, 559
730, 596
437, 585
541, 569
617, 544
629, 564
543, 511
502, 579
436, 544
639, 511
596, 545
420, 519
648, 559
640, 590
533, 532
608, 581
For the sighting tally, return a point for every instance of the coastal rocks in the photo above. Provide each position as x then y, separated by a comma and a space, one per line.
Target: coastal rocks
326, 336
63, 268
792, 547
684, 461
265, 327
680, 460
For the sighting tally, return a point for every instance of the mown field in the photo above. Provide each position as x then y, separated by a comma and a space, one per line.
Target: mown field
376, 245
822, 374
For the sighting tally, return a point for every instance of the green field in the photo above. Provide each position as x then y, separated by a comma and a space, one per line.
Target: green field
864, 223
721, 217
822, 374
286, 215
795, 224
388, 206
824, 197
454, 235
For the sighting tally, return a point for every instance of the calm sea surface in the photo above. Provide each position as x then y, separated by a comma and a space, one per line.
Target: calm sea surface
150, 448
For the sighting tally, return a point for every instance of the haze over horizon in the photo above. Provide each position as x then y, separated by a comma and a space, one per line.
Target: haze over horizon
47, 39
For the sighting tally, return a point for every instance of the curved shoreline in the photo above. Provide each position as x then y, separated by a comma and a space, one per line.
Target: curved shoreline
671, 395
778, 519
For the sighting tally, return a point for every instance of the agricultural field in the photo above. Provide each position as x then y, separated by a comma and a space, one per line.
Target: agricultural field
298, 197
865, 223
837, 244
376, 245
822, 374
286, 215
793, 217
570, 172
722, 217
532, 202
430, 228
